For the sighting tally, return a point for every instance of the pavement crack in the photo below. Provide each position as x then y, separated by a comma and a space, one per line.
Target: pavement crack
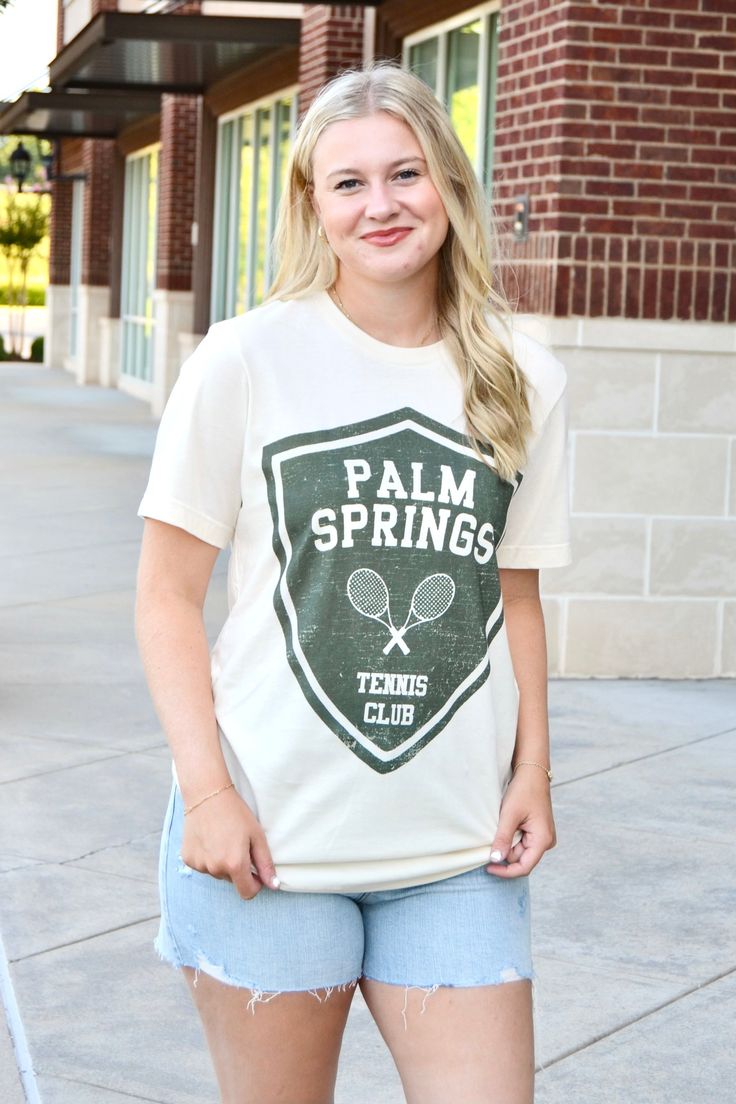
68, 767
83, 939
637, 1019
107, 1089
110, 847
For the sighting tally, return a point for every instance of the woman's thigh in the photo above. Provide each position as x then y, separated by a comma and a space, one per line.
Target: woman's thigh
271, 977
474, 1045
283, 1050
448, 977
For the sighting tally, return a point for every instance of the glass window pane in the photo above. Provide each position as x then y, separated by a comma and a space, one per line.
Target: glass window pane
423, 60
462, 84
264, 173
244, 222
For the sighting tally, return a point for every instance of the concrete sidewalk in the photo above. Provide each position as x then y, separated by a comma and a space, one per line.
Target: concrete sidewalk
634, 933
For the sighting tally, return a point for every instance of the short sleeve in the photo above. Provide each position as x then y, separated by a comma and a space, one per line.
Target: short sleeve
195, 477
537, 532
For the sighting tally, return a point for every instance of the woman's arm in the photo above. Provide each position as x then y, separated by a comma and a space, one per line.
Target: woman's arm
221, 836
526, 803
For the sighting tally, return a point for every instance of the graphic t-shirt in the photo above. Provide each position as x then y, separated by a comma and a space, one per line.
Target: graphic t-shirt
362, 682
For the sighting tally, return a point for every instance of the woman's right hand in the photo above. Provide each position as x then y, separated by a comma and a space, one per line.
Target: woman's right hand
223, 838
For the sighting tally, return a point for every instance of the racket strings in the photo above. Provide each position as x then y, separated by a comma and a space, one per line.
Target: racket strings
368, 592
433, 597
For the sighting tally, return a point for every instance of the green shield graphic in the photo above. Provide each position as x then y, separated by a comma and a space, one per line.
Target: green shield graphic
388, 594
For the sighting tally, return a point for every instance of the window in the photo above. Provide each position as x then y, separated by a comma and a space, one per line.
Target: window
457, 59
252, 151
139, 263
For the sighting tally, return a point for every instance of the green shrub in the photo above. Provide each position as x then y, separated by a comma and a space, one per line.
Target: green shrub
36, 296
3, 354
37, 349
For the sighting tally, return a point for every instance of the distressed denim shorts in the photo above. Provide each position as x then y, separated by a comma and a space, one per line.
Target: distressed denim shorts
472, 929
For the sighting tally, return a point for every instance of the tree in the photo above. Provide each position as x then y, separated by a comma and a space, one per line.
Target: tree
22, 230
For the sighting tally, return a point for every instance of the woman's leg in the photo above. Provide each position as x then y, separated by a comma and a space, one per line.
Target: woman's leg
448, 973
474, 1045
282, 1050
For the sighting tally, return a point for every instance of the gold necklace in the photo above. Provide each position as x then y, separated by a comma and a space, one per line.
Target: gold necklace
341, 305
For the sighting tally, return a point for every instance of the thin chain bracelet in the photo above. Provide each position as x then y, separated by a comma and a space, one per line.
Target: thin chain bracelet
527, 763
203, 799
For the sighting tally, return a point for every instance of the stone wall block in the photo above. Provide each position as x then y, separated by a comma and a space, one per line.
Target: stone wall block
610, 388
693, 557
641, 639
552, 609
728, 658
608, 558
621, 474
698, 393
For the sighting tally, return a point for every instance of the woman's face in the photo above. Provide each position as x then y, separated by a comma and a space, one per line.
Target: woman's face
378, 207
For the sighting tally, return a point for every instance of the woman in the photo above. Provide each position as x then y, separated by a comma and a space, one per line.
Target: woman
362, 768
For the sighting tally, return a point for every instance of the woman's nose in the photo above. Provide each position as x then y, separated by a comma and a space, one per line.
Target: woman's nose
380, 202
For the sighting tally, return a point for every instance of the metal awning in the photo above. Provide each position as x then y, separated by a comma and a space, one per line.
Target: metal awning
80, 114
166, 53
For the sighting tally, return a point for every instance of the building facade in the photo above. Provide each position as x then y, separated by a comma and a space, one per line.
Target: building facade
605, 131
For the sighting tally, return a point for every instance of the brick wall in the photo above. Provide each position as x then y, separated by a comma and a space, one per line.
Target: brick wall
331, 40
98, 164
60, 232
617, 119
177, 176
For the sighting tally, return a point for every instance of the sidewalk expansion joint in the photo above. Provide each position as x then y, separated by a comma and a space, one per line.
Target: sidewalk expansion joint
643, 758
84, 939
638, 1019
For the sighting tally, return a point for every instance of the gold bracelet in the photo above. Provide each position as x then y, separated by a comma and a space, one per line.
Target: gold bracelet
203, 799
526, 763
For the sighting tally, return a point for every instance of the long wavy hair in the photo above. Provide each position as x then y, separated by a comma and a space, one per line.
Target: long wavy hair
469, 295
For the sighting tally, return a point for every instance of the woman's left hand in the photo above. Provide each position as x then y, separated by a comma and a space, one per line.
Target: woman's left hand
527, 805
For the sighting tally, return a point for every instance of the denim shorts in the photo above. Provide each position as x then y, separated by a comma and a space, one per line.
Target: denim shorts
468, 930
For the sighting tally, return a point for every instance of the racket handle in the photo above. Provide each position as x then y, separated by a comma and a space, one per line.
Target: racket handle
396, 639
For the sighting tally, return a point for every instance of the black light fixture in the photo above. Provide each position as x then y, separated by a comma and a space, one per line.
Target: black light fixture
20, 164
520, 225
47, 160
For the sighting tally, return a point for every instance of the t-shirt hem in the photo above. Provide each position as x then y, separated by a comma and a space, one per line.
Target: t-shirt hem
551, 555
184, 517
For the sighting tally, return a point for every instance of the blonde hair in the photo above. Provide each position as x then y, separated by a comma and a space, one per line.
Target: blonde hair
495, 399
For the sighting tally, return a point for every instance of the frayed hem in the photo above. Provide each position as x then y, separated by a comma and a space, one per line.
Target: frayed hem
258, 995
507, 975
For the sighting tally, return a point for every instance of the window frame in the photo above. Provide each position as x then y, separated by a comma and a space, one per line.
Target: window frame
226, 260
489, 15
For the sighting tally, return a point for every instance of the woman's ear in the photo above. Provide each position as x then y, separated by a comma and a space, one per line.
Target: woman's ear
313, 201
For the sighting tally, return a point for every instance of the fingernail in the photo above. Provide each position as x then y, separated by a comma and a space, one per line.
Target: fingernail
275, 882
496, 856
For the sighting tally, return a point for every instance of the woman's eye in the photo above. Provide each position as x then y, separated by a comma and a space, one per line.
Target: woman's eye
345, 185
407, 174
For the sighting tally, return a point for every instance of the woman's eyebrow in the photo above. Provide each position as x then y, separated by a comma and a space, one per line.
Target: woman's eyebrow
393, 165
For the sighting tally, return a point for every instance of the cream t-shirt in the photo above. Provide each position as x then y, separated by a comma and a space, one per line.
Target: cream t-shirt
362, 681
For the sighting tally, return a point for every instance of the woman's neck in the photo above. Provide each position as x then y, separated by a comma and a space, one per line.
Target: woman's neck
402, 313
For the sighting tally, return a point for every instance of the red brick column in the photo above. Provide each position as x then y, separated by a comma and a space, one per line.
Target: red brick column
60, 232
177, 173
331, 40
98, 157
617, 119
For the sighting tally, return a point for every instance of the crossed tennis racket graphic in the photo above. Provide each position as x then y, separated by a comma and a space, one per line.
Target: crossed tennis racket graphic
369, 595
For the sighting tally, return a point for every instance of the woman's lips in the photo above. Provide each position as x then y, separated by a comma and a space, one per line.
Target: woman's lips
387, 237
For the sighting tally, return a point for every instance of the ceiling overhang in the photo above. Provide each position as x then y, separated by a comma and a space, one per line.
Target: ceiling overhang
76, 114
164, 53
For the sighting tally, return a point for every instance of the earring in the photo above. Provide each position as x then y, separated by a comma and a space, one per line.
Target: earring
320, 231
